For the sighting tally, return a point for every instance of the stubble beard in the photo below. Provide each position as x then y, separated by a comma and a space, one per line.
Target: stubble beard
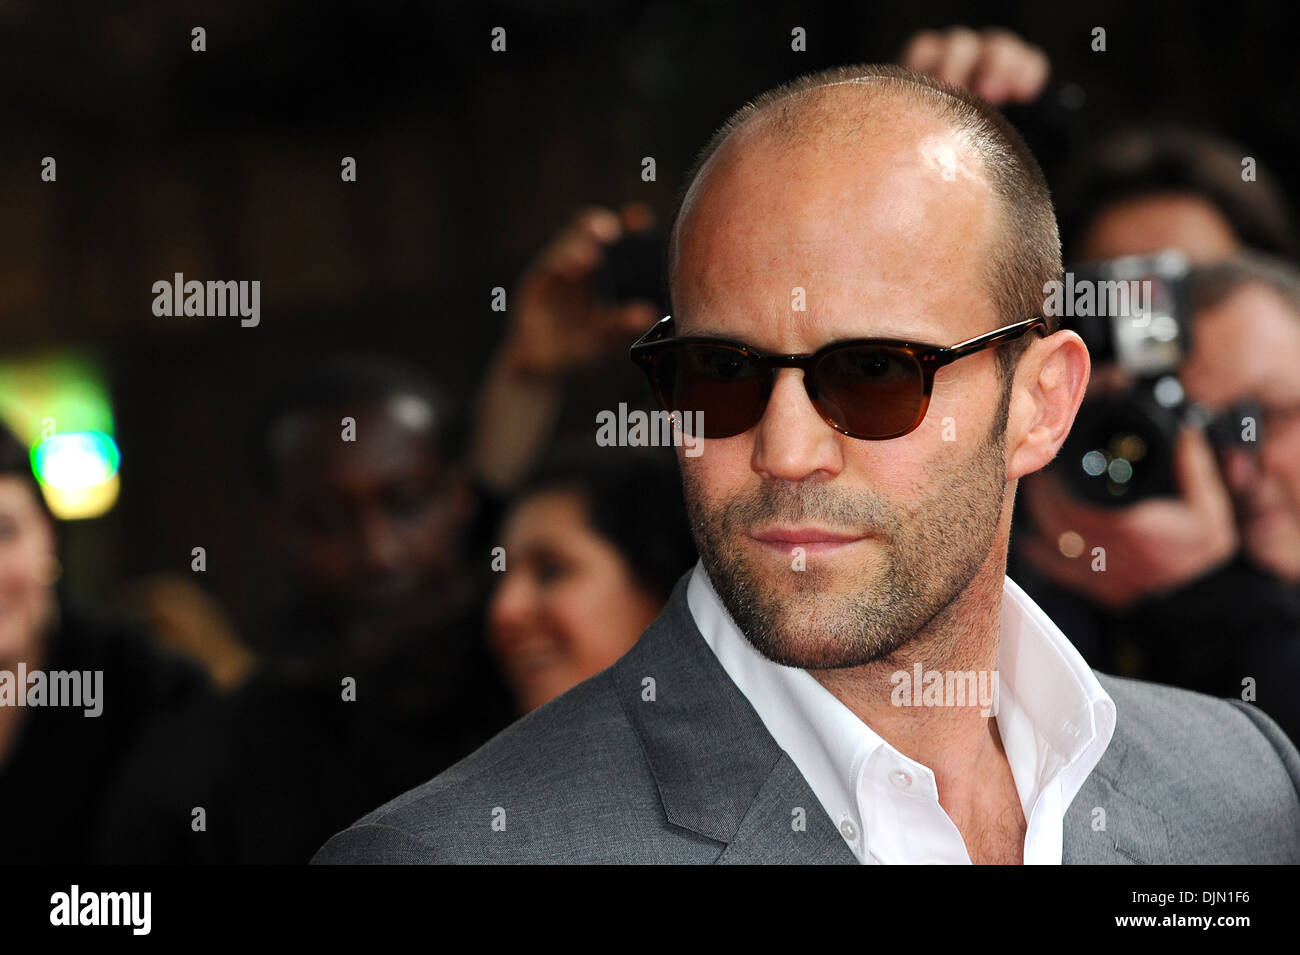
925, 554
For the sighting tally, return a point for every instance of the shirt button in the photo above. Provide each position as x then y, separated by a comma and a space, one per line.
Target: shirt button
848, 830
900, 779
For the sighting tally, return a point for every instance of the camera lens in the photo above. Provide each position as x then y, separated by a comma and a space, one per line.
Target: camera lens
1120, 450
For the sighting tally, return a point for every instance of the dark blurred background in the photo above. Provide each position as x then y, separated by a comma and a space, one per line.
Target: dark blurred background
225, 164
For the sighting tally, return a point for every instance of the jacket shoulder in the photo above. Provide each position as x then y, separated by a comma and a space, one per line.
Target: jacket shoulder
565, 783
1220, 772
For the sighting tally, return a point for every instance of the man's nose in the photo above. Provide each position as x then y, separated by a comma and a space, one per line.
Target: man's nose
792, 441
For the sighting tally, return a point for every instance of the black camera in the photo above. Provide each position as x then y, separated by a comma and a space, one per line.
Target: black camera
1133, 313
633, 270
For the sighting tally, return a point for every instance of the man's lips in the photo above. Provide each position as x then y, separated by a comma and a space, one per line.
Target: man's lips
813, 540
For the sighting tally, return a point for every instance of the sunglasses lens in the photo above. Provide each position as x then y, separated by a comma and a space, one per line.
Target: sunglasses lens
871, 392
721, 385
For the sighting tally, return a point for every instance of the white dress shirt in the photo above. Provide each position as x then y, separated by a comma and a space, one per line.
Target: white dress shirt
1054, 718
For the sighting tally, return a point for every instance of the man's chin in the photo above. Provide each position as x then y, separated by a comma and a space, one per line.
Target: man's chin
797, 641
790, 617
842, 573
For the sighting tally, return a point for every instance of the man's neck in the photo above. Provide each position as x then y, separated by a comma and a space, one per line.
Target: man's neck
959, 743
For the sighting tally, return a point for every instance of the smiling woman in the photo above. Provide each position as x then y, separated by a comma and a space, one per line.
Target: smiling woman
594, 543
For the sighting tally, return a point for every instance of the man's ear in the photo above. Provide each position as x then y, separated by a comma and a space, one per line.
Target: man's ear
1050, 381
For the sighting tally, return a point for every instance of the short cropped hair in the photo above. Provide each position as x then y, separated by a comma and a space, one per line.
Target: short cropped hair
1027, 254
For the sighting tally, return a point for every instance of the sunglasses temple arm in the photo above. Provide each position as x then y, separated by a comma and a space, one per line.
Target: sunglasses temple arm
997, 337
655, 332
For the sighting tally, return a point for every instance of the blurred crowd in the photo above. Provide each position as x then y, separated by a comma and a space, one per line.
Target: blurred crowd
456, 565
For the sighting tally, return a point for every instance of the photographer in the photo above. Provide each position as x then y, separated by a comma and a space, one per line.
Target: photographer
1199, 590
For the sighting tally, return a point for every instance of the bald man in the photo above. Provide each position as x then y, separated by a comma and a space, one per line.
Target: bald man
857, 273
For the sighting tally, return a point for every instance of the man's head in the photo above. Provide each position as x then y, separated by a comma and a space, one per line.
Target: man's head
358, 460
1246, 346
894, 207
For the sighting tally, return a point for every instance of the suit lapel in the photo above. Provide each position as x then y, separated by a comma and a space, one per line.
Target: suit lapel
718, 770
785, 825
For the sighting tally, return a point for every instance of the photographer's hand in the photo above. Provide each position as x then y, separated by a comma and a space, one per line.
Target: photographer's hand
997, 64
558, 323
1150, 548
556, 326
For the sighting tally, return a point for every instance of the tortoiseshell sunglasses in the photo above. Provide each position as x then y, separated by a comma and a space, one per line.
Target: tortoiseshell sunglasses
867, 388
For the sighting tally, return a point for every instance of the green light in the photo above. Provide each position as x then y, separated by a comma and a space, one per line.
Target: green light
40, 397
77, 460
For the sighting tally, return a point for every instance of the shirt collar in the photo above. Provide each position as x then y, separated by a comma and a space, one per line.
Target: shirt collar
1054, 717
1057, 705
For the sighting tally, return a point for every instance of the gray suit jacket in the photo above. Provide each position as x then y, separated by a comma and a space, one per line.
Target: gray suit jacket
605, 775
